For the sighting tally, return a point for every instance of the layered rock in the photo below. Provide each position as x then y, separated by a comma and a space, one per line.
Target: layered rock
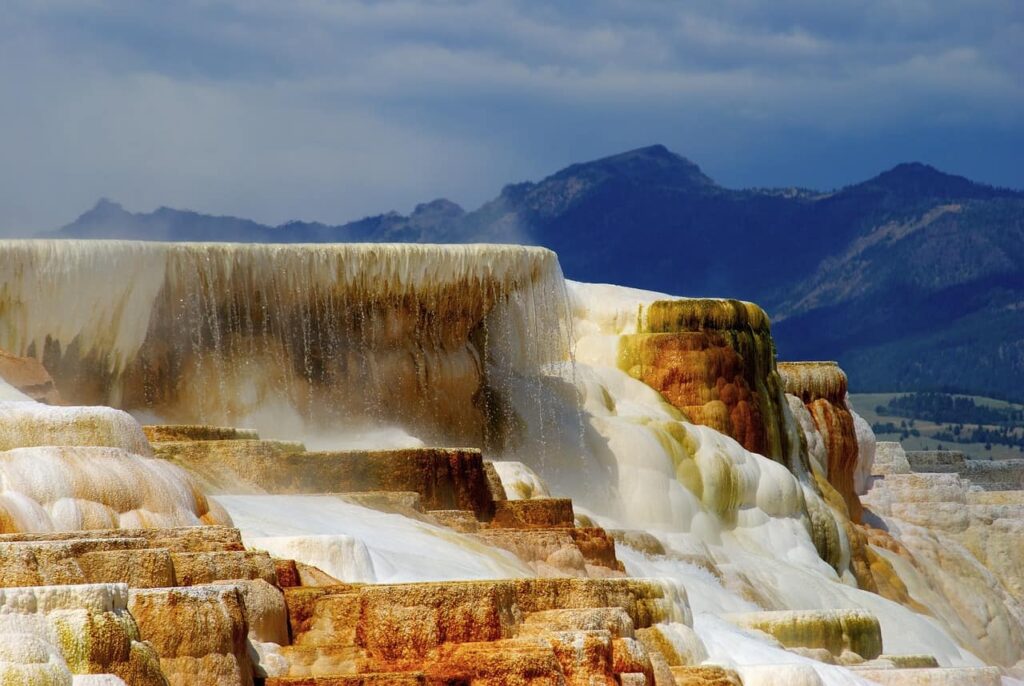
715, 361
444, 479
562, 630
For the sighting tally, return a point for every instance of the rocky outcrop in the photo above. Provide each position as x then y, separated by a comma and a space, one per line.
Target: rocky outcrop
821, 387
715, 361
28, 376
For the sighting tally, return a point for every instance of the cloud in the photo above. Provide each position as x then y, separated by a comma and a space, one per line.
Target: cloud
331, 110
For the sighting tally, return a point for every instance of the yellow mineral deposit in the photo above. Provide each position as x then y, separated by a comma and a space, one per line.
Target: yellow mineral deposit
447, 465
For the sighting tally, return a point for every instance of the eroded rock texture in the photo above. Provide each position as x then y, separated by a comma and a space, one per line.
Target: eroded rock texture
715, 361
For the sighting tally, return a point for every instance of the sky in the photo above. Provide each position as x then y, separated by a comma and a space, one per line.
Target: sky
330, 111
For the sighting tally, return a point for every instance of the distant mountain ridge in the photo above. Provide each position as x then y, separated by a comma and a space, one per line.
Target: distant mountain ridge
913, 279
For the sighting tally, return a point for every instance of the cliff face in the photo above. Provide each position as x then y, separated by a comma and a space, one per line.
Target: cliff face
715, 361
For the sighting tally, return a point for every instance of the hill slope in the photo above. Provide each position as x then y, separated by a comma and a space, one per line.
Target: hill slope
913, 280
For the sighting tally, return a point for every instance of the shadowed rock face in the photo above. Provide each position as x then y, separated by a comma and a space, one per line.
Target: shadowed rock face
445, 479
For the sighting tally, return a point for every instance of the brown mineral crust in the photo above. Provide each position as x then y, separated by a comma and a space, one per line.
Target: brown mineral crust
287, 573
309, 608
395, 627
614, 620
399, 624
705, 676
541, 513
642, 600
509, 662
585, 657
191, 569
84, 561
199, 633
597, 546
386, 679
629, 656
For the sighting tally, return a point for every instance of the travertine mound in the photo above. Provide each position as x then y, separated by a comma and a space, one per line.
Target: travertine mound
288, 336
79, 487
960, 556
715, 361
821, 387
25, 425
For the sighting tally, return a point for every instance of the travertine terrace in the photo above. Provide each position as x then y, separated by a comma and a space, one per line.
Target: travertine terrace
391, 465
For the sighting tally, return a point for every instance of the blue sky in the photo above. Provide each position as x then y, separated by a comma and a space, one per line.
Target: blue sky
329, 111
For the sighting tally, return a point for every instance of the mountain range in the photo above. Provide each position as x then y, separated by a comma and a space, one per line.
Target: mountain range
912, 280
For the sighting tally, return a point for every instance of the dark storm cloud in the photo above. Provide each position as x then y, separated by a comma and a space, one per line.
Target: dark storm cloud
331, 110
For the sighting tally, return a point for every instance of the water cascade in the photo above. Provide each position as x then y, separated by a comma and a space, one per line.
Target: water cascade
405, 343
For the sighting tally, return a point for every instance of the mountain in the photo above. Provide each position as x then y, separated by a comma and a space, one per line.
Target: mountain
913, 280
